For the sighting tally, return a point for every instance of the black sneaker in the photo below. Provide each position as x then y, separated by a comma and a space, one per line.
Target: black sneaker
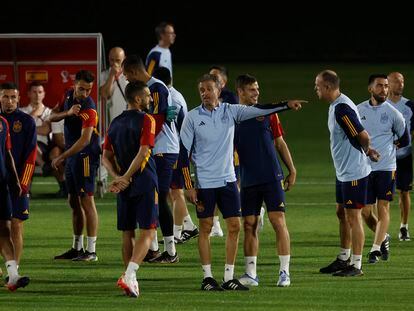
22, 281
404, 235
336, 265
210, 284
385, 247
70, 254
189, 234
86, 256
234, 285
349, 271
165, 258
373, 257
152, 255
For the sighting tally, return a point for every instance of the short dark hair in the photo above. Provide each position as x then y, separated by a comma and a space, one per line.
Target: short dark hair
160, 29
209, 77
243, 80
374, 76
85, 75
163, 74
133, 62
34, 84
223, 70
133, 89
330, 77
8, 86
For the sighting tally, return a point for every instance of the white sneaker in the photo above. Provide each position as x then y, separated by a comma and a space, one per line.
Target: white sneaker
129, 285
247, 280
284, 279
216, 231
261, 218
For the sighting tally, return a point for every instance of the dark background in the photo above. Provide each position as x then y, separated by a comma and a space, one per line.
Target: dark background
236, 32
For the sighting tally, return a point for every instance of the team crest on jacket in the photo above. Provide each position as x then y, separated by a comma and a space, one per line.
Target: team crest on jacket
384, 118
200, 207
17, 126
261, 118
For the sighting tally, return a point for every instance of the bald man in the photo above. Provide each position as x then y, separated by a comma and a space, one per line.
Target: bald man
404, 154
113, 83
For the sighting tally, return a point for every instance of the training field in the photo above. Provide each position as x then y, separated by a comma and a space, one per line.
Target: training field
63, 285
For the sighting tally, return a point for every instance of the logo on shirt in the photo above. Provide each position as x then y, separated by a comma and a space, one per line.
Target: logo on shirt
201, 123
17, 126
363, 118
384, 118
261, 118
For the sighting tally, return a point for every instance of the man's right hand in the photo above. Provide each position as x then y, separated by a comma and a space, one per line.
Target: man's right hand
296, 104
74, 110
191, 195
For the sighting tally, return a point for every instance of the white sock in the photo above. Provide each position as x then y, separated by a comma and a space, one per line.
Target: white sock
284, 263
216, 221
188, 223
154, 243
375, 247
344, 254
404, 226
356, 260
177, 231
11, 267
131, 271
228, 272
169, 245
250, 265
77, 242
207, 271
91, 244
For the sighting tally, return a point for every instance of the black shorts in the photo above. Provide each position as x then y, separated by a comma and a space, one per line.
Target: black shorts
352, 194
405, 173
381, 186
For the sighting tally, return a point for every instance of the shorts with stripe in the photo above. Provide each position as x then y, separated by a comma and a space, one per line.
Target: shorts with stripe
80, 174
253, 197
138, 211
381, 186
352, 194
227, 199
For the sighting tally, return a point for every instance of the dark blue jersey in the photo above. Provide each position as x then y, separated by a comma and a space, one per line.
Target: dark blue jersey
5, 145
227, 96
125, 135
74, 124
24, 145
254, 142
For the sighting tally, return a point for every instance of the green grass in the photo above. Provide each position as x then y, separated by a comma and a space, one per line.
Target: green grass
311, 220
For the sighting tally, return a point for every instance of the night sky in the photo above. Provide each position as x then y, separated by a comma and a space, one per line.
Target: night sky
213, 32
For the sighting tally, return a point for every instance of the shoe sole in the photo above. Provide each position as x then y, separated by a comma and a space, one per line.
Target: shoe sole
285, 285
126, 289
361, 274
248, 283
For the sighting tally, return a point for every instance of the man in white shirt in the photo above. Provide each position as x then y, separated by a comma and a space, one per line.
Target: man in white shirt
113, 84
